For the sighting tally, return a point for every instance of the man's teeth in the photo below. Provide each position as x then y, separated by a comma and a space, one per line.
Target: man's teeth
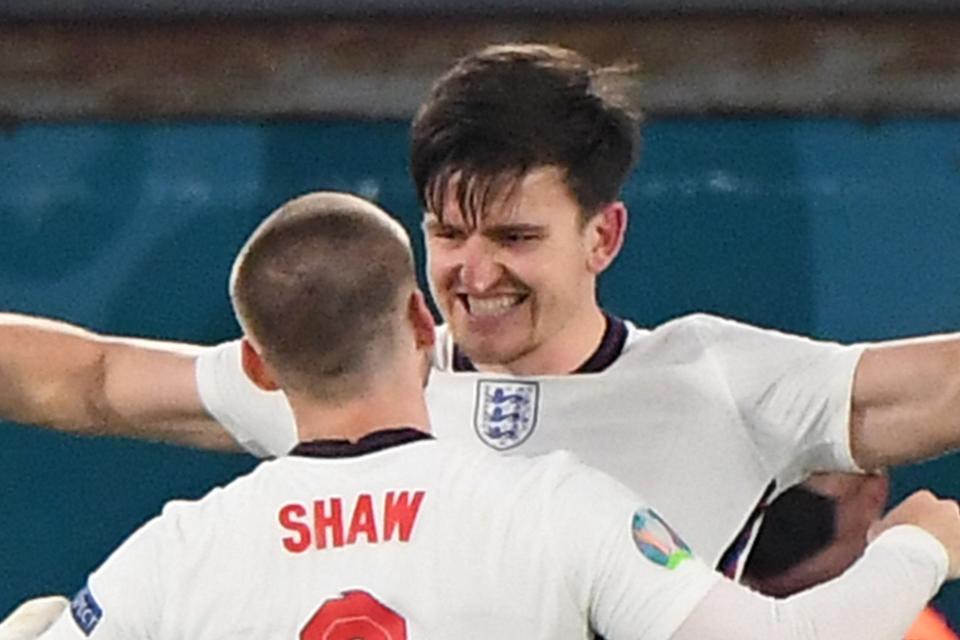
491, 306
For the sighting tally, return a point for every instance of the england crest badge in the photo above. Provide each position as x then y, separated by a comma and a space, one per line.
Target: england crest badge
505, 412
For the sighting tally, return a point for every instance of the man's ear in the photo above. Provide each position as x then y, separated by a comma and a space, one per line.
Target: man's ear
259, 372
605, 233
420, 318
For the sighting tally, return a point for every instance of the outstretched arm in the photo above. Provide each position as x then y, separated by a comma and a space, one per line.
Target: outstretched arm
62, 376
906, 401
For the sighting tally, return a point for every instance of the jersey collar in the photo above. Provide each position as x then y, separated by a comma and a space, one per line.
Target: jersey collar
370, 443
609, 349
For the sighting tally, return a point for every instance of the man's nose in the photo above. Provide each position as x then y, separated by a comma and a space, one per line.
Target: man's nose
480, 269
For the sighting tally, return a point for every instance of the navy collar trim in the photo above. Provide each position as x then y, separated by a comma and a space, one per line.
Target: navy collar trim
610, 348
370, 443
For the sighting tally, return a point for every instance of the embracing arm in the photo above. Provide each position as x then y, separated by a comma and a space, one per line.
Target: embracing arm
906, 401
914, 548
879, 597
647, 583
60, 375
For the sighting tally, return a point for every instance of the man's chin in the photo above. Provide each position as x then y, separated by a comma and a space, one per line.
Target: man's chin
483, 352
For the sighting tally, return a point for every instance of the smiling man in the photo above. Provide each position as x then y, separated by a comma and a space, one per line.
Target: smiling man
511, 282
519, 155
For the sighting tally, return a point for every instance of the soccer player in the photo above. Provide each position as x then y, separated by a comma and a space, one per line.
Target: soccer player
372, 529
519, 155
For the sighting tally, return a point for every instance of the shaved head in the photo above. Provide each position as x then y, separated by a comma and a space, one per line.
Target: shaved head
320, 289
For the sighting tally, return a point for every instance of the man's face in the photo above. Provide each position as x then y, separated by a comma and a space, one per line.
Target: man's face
519, 283
859, 500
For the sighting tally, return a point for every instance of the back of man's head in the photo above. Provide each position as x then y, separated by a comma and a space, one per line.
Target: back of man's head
507, 109
320, 289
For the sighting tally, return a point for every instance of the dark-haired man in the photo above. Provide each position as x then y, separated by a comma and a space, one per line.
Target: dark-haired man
370, 529
519, 154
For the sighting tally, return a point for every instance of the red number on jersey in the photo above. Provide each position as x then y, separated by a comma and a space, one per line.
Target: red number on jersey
356, 615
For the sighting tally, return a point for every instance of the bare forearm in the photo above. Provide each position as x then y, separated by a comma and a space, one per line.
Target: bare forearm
59, 375
49, 372
906, 401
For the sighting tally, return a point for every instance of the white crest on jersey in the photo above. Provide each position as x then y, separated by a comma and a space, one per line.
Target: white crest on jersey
505, 412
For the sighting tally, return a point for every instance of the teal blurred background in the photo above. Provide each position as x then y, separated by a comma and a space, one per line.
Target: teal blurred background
834, 228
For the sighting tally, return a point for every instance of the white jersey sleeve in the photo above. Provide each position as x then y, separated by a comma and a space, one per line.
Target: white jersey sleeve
639, 578
642, 581
260, 421
124, 597
879, 597
793, 393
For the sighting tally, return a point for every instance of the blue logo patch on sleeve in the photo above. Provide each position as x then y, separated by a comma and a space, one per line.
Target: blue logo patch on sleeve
86, 610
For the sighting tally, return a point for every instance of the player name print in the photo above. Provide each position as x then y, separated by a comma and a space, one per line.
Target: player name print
332, 522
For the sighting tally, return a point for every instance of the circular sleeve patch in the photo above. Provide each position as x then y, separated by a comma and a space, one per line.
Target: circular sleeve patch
657, 541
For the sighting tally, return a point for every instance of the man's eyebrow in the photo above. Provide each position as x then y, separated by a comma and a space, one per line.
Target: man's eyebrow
513, 227
432, 224
430, 221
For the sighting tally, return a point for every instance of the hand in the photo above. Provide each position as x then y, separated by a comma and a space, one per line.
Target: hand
32, 618
938, 516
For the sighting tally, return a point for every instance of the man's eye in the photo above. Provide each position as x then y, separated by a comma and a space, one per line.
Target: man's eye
517, 238
447, 234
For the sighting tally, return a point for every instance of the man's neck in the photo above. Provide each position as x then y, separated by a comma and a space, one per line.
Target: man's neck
359, 416
564, 353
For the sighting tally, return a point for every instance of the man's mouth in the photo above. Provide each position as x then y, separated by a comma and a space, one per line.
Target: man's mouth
491, 306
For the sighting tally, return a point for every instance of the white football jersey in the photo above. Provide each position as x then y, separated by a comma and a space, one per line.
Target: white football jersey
398, 536
703, 416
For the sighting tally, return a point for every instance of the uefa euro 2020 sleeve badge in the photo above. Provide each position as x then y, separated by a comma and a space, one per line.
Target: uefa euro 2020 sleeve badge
657, 541
505, 412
